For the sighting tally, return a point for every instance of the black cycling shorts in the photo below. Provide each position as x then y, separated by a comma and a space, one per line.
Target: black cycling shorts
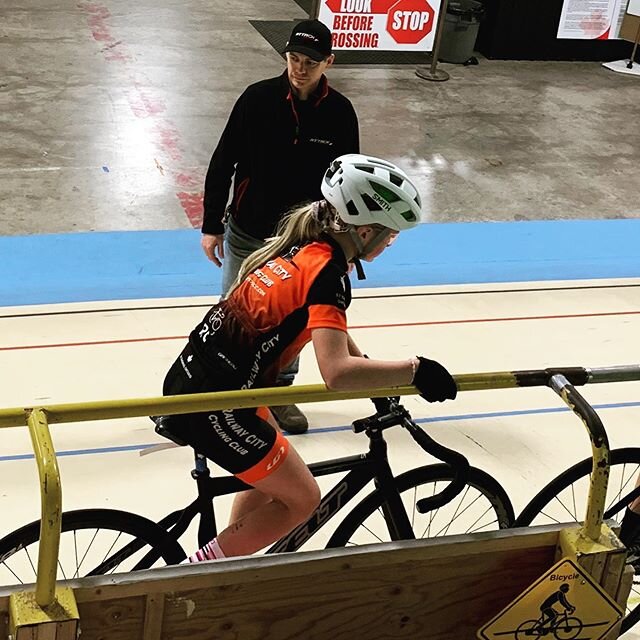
240, 441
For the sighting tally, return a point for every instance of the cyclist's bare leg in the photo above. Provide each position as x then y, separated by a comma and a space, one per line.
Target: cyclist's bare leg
292, 494
247, 501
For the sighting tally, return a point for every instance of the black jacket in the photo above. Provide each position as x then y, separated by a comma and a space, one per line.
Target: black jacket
279, 148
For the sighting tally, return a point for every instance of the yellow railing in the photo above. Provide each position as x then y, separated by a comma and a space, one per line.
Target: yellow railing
51, 506
38, 419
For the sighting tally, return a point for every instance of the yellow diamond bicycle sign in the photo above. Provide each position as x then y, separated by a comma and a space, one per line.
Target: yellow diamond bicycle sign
564, 604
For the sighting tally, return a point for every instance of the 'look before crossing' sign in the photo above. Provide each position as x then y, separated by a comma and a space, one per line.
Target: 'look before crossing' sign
385, 25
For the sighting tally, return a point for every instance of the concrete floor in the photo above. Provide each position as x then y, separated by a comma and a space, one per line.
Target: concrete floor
109, 113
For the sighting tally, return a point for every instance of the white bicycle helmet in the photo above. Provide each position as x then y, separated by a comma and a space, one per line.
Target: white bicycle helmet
367, 190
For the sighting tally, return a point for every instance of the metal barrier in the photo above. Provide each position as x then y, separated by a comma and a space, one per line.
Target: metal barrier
561, 380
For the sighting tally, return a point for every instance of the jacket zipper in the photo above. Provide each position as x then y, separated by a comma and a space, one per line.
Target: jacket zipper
295, 115
240, 191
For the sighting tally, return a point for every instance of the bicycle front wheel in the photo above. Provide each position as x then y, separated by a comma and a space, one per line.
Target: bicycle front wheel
483, 505
564, 500
92, 542
567, 629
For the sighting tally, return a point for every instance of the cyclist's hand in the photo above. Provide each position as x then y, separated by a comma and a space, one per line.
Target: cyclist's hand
383, 405
434, 382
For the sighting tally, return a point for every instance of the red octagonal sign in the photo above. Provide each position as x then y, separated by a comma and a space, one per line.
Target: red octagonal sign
409, 21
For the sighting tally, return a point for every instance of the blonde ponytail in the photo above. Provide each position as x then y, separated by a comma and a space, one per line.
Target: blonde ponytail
298, 227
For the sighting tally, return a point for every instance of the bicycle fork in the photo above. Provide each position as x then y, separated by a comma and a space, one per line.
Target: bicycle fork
393, 508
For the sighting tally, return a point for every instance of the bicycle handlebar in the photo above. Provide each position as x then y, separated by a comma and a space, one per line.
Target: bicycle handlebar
454, 459
398, 415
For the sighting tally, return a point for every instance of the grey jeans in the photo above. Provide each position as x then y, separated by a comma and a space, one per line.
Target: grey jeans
238, 245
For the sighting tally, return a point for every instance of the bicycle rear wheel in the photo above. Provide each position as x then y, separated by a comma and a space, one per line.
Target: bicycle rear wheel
483, 505
92, 542
564, 500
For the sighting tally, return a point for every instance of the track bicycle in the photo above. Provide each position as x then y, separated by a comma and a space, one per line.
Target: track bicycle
446, 498
563, 500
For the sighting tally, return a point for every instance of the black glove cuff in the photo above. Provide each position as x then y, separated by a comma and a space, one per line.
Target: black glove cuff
434, 382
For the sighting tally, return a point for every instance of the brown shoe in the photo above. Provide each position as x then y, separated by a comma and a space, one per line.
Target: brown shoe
290, 419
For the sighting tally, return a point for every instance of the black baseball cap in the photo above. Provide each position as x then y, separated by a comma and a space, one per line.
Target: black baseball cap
311, 38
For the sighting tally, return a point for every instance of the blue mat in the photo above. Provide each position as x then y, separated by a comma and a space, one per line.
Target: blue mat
159, 264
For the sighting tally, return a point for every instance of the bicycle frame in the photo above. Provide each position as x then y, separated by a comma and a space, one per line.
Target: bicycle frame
361, 469
550, 626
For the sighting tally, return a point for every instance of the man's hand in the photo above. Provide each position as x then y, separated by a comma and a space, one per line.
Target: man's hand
213, 246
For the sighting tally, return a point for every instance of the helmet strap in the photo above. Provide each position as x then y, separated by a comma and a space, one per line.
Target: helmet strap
372, 244
375, 241
360, 248
364, 249
359, 270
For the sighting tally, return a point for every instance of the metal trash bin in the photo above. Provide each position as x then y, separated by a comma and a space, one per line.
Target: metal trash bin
460, 30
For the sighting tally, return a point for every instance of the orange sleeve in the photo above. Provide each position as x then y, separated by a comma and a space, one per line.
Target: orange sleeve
326, 316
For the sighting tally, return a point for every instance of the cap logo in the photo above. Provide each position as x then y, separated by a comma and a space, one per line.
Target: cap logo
309, 36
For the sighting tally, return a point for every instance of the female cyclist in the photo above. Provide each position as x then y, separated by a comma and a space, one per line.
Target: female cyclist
294, 290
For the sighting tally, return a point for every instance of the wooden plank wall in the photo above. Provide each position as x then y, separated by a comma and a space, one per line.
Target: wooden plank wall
441, 590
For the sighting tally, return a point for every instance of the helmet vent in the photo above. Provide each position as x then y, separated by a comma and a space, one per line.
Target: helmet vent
332, 170
362, 167
382, 163
408, 215
372, 205
396, 179
384, 192
352, 209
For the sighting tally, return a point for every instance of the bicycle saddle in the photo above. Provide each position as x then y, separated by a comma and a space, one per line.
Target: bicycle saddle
164, 426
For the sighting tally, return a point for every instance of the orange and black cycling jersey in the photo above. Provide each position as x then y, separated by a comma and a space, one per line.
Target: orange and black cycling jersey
245, 340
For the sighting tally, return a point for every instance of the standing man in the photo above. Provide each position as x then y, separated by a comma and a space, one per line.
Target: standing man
280, 138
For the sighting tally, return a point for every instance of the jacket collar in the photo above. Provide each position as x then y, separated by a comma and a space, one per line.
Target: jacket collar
320, 93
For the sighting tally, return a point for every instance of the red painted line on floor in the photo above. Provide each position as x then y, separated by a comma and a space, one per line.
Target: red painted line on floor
364, 326
472, 320
97, 19
192, 205
145, 104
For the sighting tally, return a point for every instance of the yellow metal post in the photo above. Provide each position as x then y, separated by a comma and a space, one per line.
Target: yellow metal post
51, 507
58, 621
594, 546
49, 613
601, 454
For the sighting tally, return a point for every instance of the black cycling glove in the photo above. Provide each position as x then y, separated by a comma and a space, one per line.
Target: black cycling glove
434, 382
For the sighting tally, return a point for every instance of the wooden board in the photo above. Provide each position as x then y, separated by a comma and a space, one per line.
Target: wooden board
449, 587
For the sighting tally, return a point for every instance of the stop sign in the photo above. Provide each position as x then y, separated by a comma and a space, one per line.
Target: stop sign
409, 21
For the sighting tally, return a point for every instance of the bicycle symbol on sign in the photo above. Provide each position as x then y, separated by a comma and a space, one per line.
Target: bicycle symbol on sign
561, 625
